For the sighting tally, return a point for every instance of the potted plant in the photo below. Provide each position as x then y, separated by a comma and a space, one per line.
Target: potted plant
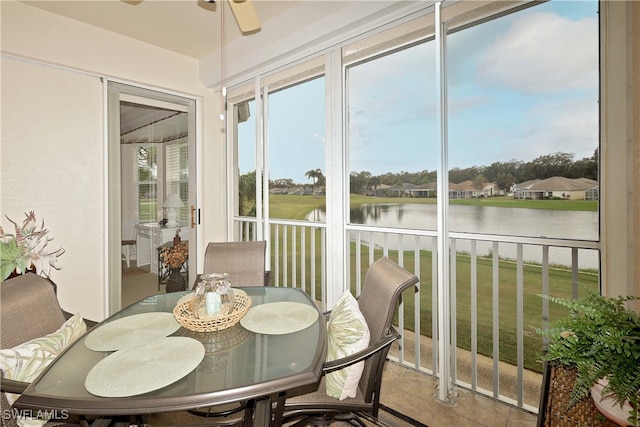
600, 339
26, 250
173, 257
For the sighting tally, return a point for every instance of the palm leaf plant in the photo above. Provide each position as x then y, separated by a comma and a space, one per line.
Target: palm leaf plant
600, 339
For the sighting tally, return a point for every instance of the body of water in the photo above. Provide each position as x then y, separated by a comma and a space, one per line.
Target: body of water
517, 222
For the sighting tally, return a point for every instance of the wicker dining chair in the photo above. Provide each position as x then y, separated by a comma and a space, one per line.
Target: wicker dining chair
29, 309
244, 262
384, 284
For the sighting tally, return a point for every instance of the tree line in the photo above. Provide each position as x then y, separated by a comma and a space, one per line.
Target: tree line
504, 174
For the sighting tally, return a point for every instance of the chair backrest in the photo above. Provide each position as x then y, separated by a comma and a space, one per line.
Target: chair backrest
244, 262
29, 309
383, 285
128, 229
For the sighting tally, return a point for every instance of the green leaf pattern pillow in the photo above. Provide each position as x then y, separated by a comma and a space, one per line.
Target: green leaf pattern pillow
26, 361
348, 333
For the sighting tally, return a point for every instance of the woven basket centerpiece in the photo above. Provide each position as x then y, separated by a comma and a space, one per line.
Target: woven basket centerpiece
188, 320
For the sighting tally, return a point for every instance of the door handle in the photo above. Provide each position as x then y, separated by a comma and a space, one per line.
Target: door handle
193, 216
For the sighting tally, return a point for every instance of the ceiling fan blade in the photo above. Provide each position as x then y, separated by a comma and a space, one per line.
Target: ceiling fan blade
245, 15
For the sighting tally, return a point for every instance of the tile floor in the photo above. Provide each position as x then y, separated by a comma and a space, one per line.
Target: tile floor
405, 390
414, 394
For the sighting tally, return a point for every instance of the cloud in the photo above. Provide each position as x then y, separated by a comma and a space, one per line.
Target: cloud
566, 125
569, 125
542, 52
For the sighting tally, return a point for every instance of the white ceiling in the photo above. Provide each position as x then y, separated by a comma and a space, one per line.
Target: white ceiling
189, 27
193, 27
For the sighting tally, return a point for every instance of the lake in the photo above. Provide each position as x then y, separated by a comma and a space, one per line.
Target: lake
518, 222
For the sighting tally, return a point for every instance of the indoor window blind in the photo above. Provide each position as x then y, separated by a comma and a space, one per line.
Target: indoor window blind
177, 174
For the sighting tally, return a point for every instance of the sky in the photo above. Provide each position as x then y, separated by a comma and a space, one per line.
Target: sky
519, 87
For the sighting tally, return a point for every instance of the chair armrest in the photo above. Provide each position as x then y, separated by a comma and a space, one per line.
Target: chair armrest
361, 355
12, 386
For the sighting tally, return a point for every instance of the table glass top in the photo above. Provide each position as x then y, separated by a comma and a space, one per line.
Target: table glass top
238, 364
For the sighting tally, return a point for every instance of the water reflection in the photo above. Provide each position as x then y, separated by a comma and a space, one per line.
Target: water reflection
579, 225
517, 222
369, 214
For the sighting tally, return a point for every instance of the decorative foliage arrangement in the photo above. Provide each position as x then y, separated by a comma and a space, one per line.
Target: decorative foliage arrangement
27, 249
175, 256
601, 339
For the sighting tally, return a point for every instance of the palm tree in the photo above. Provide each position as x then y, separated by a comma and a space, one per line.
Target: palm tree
316, 176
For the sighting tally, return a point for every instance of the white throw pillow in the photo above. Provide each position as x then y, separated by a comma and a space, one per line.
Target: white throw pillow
348, 333
26, 361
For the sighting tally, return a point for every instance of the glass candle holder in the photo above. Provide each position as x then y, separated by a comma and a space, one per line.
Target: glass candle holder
213, 296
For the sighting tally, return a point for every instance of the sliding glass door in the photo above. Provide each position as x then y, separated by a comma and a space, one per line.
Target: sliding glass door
152, 190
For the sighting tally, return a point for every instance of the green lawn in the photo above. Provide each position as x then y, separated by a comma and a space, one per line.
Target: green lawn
500, 202
560, 281
297, 207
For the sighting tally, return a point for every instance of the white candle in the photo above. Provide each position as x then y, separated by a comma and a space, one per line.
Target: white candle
213, 303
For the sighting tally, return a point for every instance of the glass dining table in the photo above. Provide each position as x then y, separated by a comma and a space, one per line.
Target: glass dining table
120, 368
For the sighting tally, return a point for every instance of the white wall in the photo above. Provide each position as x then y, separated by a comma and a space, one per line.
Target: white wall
51, 163
56, 165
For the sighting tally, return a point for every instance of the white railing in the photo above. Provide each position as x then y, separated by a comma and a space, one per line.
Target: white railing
495, 281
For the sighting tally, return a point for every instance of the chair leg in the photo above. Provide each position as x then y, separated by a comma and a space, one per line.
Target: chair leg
127, 255
209, 411
312, 422
279, 412
350, 418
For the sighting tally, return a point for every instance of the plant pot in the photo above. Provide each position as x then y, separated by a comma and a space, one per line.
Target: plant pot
176, 281
555, 411
608, 407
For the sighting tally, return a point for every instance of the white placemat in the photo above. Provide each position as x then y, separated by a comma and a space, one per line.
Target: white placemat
131, 331
144, 368
277, 318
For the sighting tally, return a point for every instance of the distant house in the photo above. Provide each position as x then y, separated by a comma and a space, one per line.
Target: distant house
380, 190
463, 190
384, 190
279, 190
557, 187
491, 189
520, 190
424, 190
592, 193
403, 190
299, 190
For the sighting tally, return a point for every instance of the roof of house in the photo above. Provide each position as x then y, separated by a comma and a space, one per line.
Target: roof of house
464, 185
526, 185
560, 183
428, 186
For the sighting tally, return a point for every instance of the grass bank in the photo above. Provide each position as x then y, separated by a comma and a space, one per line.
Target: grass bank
298, 207
499, 202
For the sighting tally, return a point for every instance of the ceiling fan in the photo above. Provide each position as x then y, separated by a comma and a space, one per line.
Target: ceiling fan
245, 15
243, 11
